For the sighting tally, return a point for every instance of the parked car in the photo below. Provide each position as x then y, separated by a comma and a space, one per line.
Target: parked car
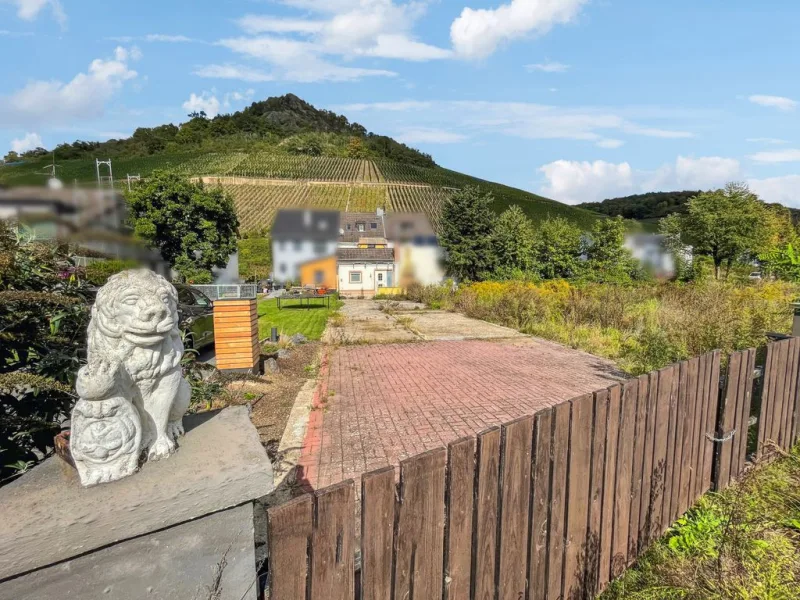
196, 313
755, 276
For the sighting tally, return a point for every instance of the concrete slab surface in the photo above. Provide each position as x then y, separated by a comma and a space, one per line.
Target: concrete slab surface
48, 517
179, 563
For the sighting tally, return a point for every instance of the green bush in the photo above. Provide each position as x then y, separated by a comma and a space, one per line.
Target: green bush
98, 272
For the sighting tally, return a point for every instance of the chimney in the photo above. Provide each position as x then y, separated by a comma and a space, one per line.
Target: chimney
307, 218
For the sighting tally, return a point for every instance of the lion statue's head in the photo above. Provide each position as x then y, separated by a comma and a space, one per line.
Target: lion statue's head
138, 306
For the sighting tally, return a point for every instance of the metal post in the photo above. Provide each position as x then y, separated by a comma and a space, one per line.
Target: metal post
796, 319
273, 336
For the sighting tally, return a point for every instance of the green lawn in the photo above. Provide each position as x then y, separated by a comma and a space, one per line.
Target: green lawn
291, 319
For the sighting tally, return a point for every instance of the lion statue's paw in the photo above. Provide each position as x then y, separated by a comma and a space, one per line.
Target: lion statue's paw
175, 429
162, 448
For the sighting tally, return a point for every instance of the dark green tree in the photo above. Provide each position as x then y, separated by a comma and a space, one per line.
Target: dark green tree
607, 257
194, 227
467, 227
558, 249
513, 242
11, 157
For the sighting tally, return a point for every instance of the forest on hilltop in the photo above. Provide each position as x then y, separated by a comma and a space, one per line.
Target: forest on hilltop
284, 124
653, 205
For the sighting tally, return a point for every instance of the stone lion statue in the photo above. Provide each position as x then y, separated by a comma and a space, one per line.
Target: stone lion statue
132, 392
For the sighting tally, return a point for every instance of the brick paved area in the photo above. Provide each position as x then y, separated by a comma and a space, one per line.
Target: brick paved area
378, 404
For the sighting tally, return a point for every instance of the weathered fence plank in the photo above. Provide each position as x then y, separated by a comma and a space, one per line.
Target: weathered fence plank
766, 398
486, 514
662, 407
742, 424
555, 542
647, 469
779, 398
419, 546
540, 519
378, 498
289, 529
578, 498
698, 433
687, 460
596, 491
333, 542
676, 501
791, 390
712, 400
609, 486
460, 502
638, 443
727, 421
669, 464
515, 473
622, 495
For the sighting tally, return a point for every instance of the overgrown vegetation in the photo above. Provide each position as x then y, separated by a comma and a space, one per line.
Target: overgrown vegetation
641, 327
255, 258
741, 544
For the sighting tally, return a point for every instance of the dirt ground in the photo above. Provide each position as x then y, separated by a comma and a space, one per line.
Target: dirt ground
384, 322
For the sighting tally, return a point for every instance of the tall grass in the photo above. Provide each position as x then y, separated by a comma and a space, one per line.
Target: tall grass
641, 327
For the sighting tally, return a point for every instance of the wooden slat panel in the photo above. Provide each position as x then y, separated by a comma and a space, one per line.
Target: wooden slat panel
746, 380
486, 507
697, 427
669, 465
727, 418
647, 467
515, 472
377, 533
678, 471
796, 417
766, 393
333, 543
622, 495
555, 551
638, 443
419, 556
690, 400
543, 434
460, 502
780, 392
665, 377
289, 529
791, 389
711, 416
609, 486
578, 498
598, 471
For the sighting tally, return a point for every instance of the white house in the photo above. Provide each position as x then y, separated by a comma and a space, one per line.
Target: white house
363, 271
300, 236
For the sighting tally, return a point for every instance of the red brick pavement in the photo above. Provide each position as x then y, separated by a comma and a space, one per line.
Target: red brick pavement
378, 404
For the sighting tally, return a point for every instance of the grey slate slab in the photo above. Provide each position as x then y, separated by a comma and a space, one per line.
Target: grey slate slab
179, 563
47, 517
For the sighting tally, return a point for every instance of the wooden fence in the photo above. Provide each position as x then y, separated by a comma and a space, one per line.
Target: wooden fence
548, 506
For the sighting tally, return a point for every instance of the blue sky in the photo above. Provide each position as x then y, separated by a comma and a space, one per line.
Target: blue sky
575, 99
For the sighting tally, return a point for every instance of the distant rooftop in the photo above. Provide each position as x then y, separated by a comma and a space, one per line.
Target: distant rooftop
355, 225
365, 254
317, 225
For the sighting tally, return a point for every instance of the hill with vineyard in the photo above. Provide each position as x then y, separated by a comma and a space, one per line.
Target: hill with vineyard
281, 153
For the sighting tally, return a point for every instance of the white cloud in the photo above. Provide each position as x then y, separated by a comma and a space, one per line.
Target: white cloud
430, 136
779, 102
785, 189
402, 48
610, 143
28, 142
478, 33
152, 37
521, 119
240, 72
236, 96
778, 156
204, 102
548, 67
29, 10
767, 140
254, 24
298, 61
54, 102
574, 182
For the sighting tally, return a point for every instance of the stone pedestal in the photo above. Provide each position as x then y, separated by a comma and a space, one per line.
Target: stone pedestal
48, 520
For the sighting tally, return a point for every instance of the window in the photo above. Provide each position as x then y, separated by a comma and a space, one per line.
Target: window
355, 276
373, 225
380, 276
185, 296
282, 268
349, 227
298, 245
200, 299
281, 245
360, 226
319, 277
320, 248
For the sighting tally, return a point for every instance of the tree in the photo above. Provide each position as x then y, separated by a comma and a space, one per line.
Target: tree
607, 257
194, 227
513, 240
11, 157
727, 225
467, 226
558, 248
355, 148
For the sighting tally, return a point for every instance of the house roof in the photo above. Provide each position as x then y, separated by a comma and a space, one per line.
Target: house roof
352, 219
372, 240
316, 225
365, 254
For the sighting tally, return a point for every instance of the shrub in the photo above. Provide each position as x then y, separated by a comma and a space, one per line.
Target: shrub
98, 272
